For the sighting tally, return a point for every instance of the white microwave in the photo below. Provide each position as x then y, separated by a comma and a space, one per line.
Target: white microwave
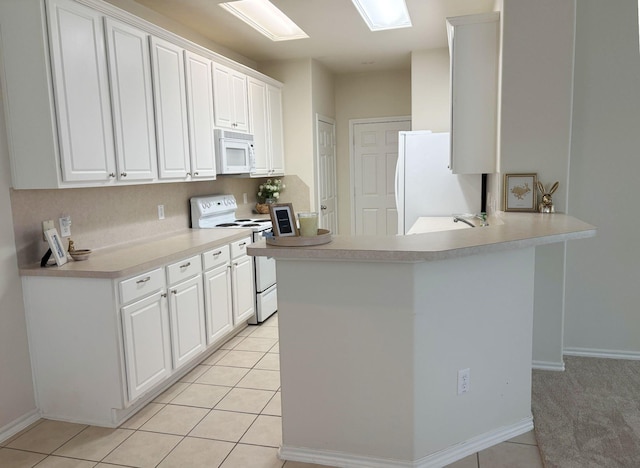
234, 152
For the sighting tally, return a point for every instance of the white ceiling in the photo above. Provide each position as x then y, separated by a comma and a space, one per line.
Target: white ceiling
338, 37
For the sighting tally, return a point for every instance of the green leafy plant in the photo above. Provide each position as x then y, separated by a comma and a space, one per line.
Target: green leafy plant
270, 189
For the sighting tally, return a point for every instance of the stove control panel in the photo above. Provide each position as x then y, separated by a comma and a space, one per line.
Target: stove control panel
215, 204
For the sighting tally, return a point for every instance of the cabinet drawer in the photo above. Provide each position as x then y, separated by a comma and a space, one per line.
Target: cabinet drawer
141, 285
215, 257
184, 269
239, 248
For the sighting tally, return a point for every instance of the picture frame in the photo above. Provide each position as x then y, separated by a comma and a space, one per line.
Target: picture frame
55, 244
283, 219
520, 192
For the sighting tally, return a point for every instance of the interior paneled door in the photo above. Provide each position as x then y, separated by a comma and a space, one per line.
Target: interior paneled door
375, 154
326, 170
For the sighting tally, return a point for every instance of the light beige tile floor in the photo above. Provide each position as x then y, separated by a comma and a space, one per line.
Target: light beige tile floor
225, 413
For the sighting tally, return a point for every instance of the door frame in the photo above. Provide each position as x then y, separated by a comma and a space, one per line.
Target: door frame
352, 155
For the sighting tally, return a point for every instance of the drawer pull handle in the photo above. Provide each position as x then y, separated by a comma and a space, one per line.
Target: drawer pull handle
174, 291
242, 244
163, 295
217, 254
186, 265
143, 280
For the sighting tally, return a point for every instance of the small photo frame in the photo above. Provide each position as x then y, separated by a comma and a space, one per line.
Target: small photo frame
520, 192
283, 219
55, 244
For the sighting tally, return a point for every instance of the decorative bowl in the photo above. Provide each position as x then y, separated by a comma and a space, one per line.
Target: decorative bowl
79, 255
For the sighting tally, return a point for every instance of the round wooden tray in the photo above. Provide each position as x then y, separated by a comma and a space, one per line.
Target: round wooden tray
323, 237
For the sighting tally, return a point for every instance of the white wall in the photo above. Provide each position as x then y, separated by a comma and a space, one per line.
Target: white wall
430, 108
16, 385
537, 67
602, 312
361, 96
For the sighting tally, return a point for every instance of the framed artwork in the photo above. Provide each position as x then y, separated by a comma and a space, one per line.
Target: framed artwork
55, 244
283, 219
520, 192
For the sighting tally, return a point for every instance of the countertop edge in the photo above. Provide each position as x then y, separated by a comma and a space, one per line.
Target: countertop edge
403, 249
99, 265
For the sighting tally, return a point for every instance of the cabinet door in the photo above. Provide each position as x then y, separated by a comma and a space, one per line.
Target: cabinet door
81, 92
230, 99
132, 98
274, 105
200, 112
218, 302
258, 119
171, 109
243, 289
186, 307
147, 345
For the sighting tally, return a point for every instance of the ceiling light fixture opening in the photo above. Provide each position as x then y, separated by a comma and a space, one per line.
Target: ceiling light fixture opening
384, 14
266, 18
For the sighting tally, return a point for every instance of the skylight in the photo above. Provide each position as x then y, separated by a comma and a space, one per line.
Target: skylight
384, 14
266, 18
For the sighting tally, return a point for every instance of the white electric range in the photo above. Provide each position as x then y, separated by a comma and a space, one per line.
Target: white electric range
219, 211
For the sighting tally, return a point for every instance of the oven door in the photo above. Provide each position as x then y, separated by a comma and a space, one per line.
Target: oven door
265, 273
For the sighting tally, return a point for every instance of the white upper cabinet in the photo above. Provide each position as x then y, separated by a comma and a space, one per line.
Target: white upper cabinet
230, 98
474, 49
171, 109
265, 117
132, 99
200, 113
81, 90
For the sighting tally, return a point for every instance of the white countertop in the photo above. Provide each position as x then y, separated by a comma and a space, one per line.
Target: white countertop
505, 231
137, 257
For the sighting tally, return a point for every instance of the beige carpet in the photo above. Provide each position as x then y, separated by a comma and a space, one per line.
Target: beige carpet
589, 415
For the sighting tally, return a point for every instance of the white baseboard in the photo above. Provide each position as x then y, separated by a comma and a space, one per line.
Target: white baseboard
11, 429
435, 460
548, 365
602, 353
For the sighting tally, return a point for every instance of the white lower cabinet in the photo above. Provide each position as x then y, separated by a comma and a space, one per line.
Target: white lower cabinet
145, 329
217, 293
242, 281
186, 306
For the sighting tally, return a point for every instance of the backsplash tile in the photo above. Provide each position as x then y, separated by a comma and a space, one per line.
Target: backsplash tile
106, 216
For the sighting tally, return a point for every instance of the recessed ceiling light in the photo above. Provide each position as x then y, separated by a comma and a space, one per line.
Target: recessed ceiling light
384, 14
266, 18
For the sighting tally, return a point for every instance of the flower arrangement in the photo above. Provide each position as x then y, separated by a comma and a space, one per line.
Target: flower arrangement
270, 189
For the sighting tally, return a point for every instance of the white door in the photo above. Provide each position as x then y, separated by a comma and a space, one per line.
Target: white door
132, 97
186, 307
243, 289
326, 170
375, 154
274, 107
259, 126
171, 109
230, 99
145, 326
81, 88
200, 111
217, 299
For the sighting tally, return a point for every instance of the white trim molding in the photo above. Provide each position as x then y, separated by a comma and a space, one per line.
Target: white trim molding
24, 421
548, 365
603, 353
434, 460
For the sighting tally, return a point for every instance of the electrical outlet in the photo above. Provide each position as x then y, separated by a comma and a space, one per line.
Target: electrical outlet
65, 226
160, 211
46, 225
464, 381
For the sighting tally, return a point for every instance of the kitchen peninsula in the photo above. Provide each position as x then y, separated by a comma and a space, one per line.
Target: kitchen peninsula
377, 334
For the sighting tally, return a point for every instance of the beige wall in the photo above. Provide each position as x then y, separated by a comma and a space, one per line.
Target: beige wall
361, 96
602, 273
537, 78
16, 384
430, 109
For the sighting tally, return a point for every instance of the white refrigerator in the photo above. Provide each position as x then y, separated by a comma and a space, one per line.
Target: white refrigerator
425, 185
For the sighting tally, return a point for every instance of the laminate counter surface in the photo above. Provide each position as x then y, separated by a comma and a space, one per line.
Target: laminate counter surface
505, 231
130, 259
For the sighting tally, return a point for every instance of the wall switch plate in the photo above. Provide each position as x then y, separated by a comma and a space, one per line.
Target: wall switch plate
65, 226
46, 225
160, 211
464, 381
